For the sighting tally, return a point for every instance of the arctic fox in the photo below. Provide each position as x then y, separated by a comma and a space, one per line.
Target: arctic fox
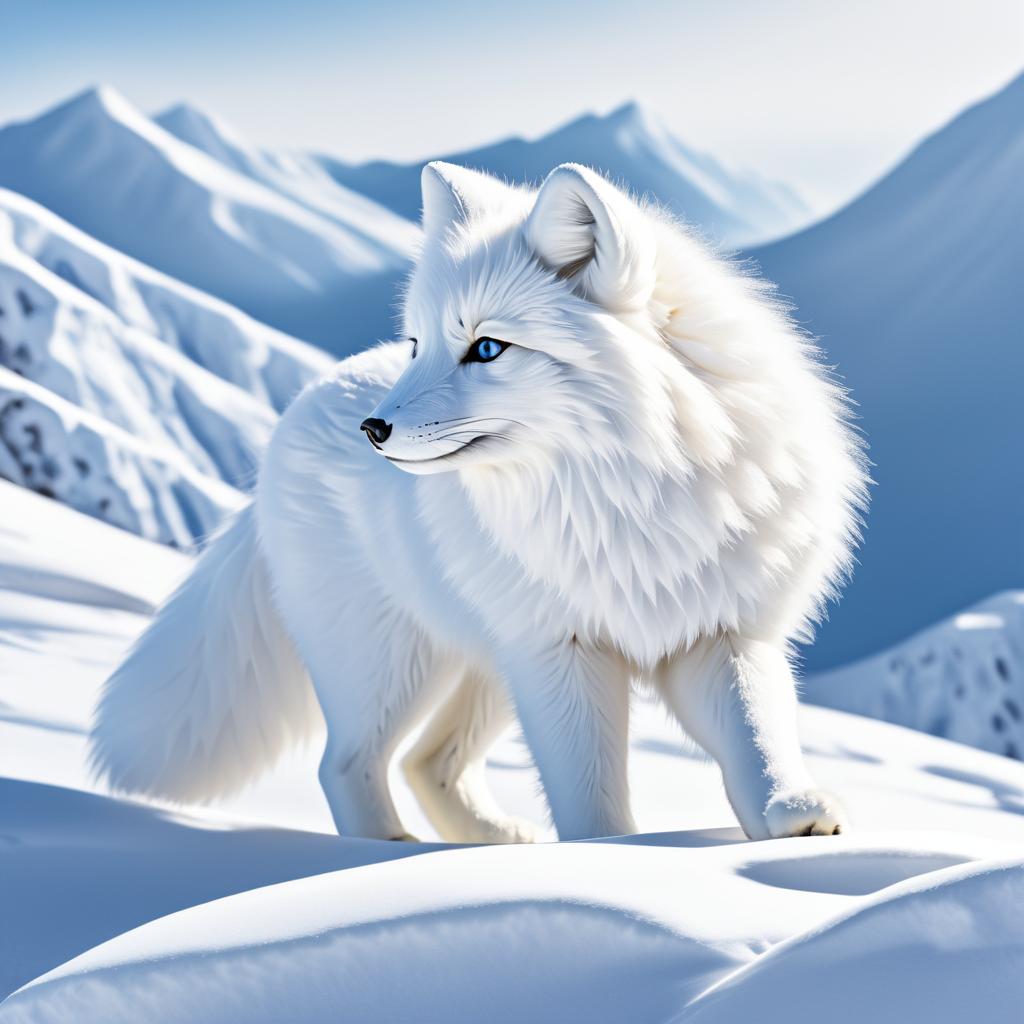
599, 455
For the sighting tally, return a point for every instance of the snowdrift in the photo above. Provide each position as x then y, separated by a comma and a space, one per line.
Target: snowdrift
629, 144
962, 678
596, 932
253, 911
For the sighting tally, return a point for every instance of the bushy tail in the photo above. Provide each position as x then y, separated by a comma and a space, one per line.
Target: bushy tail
213, 692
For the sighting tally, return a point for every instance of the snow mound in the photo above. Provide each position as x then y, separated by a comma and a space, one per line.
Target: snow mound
268, 364
64, 452
595, 931
914, 290
58, 337
942, 947
101, 164
632, 146
317, 927
962, 678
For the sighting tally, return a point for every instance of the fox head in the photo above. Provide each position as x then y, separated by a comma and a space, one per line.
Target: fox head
531, 326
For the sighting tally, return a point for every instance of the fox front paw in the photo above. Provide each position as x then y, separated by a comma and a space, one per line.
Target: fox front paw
805, 812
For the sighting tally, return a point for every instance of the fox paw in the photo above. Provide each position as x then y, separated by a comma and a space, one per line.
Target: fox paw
512, 830
805, 812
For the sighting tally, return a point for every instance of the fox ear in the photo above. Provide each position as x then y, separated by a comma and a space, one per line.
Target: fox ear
452, 195
590, 233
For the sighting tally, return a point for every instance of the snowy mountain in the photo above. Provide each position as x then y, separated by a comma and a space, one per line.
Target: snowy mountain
914, 290
99, 163
117, 910
61, 338
266, 363
124, 393
88, 463
297, 175
962, 678
632, 146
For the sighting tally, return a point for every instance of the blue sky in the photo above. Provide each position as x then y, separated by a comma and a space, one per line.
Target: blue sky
821, 93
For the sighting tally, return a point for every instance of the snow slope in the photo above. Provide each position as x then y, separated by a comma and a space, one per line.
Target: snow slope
99, 163
245, 912
915, 292
962, 678
632, 146
62, 451
266, 363
59, 337
296, 175
599, 932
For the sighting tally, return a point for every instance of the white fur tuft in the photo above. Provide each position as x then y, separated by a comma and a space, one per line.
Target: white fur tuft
213, 691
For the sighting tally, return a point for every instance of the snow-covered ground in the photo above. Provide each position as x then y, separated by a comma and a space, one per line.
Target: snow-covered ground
253, 910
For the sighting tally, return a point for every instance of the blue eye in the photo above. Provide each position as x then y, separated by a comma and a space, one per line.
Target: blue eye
485, 350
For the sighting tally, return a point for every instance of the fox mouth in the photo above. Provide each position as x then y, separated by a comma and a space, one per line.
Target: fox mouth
473, 442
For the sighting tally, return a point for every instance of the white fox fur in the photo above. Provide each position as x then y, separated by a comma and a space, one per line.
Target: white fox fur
655, 480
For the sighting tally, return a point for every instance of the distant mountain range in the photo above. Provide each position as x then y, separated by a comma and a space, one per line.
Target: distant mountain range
633, 148
915, 290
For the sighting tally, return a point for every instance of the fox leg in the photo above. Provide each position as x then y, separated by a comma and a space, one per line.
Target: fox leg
573, 704
737, 699
446, 768
375, 676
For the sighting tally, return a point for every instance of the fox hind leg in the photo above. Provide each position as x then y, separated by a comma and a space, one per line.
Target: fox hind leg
376, 676
446, 768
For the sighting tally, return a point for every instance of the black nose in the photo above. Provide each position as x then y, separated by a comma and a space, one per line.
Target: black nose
376, 430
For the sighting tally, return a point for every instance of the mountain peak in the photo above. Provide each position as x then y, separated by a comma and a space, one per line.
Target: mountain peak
203, 130
97, 99
628, 111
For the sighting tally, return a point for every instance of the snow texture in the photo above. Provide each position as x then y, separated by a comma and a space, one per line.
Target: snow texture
62, 451
266, 363
962, 678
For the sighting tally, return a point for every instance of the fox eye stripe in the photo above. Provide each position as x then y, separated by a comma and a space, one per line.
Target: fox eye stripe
485, 350
415, 345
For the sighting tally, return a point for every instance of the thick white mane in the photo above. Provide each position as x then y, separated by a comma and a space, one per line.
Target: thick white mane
690, 467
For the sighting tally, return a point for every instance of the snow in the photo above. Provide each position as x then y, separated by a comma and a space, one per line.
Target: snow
631, 145
297, 175
962, 678
328, 279
57, 336
138, 383
266, 363
914, 290
63, 451
252, 910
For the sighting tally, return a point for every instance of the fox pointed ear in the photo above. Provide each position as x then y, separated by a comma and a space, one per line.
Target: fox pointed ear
590, 233
452, 195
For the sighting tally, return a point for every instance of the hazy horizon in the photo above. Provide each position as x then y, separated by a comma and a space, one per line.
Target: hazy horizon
821, 97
